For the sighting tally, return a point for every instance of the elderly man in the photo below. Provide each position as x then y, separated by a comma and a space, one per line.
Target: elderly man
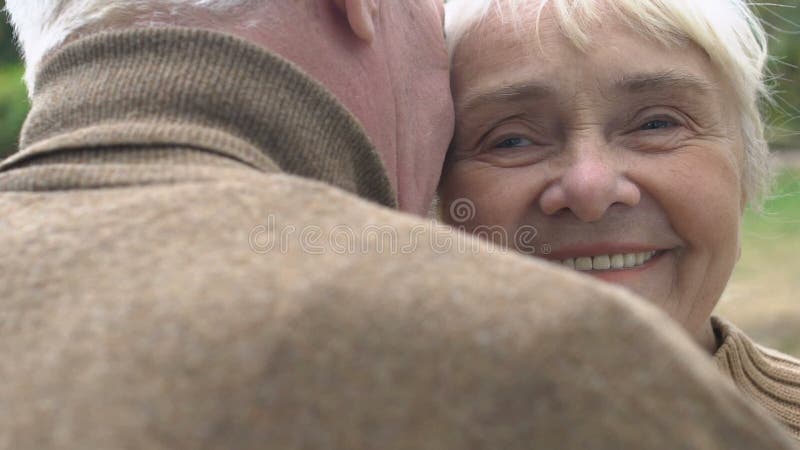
174, 273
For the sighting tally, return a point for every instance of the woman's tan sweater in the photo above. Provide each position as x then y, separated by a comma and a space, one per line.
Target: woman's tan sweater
767, 376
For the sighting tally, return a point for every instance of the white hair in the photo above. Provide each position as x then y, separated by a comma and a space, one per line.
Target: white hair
43, 25
727, 30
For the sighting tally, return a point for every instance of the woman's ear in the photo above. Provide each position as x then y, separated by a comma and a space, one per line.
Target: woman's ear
361, 15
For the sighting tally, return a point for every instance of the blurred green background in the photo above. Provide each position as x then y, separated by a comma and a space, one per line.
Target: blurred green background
762, 298
782, 21
13, 97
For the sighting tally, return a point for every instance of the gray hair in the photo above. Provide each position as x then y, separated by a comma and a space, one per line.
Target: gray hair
43, 25
727, 30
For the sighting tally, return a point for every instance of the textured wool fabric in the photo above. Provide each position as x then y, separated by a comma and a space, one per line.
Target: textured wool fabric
767, 376
199, 252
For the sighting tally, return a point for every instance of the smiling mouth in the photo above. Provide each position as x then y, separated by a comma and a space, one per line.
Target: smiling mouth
618, 261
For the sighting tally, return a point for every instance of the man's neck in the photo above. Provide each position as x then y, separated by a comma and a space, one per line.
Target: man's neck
201, 90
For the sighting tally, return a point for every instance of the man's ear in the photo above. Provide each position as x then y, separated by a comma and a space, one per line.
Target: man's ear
361, 15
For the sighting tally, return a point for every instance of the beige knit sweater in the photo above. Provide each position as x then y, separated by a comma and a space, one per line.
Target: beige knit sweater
769, 377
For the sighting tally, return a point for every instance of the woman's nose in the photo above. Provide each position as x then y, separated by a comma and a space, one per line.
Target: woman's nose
591, 181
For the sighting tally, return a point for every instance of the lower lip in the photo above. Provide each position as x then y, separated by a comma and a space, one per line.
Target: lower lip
621, 275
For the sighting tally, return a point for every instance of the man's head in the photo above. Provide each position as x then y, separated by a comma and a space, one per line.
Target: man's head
385, 60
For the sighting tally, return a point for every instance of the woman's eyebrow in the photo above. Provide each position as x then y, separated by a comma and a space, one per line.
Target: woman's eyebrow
633, 83
668, 80
515, 92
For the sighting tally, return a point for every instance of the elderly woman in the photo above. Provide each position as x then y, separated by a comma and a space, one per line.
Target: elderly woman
627, 135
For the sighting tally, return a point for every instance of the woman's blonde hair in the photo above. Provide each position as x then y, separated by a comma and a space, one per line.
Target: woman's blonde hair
727, 30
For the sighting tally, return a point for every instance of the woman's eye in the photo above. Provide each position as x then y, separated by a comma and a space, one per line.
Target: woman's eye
513, 142
658, 124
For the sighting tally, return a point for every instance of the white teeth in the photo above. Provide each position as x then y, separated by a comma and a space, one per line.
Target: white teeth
617, 262
630, 259
583, 263
601, 262
605, 262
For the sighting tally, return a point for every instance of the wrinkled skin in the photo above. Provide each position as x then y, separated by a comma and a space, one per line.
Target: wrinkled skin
629, 147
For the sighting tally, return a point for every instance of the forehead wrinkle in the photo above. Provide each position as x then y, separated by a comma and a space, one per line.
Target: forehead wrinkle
512, 93
667, 80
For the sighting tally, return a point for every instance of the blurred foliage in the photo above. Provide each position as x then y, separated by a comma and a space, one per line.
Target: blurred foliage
13, 97
8, 53
781, 19
13, 107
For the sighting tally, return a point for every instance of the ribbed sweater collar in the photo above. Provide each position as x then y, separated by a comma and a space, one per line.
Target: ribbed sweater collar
768, 377
201, 90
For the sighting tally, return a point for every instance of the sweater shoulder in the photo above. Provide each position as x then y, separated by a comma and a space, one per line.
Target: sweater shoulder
766, 375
